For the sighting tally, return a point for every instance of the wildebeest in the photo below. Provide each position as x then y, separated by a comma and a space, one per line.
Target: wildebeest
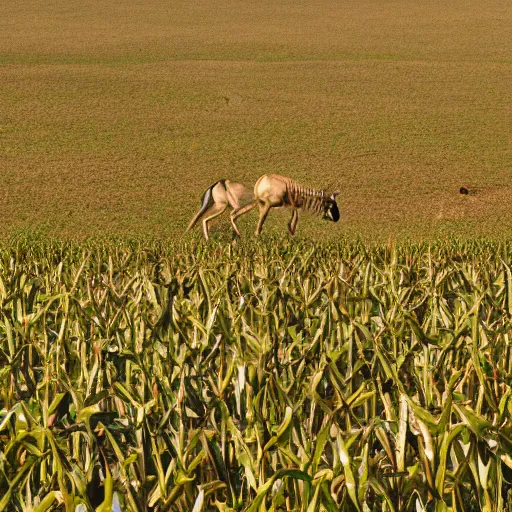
217, 198
274, 191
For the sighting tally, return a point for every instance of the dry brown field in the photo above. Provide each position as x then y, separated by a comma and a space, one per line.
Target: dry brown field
115, 116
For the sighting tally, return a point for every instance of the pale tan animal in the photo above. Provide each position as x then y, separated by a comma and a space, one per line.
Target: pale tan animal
275, 191
215, 201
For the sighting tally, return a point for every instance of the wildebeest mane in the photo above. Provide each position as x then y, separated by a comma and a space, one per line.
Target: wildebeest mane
300, 196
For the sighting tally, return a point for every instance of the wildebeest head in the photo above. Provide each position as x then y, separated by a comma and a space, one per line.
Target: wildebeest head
331, 211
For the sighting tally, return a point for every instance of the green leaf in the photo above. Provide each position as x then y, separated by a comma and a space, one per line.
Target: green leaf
283, 431
263, 489
47, 502
350, 481
108, 486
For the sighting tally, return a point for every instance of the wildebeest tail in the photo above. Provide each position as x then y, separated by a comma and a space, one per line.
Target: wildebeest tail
206, 202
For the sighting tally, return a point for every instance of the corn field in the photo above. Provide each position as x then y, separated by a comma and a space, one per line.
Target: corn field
273, 376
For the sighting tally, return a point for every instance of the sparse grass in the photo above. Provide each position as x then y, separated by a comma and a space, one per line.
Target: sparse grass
116, 117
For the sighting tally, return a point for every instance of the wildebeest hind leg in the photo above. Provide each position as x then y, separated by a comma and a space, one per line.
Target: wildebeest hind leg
215, 211
236, 213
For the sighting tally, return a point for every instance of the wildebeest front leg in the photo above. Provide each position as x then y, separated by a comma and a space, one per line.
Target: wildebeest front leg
292, 225
215, 211
264, 209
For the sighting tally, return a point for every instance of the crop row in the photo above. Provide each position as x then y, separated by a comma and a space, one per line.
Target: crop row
255, 376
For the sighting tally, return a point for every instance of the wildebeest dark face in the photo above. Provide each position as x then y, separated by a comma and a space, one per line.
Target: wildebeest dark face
331, 211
